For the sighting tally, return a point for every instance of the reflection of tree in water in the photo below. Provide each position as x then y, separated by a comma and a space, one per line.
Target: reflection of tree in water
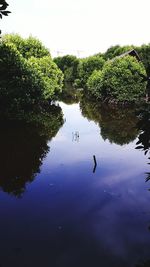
70, 95
23, 146
144, 127
117, 125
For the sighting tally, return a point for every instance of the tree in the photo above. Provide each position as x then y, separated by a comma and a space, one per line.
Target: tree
25, 82
28, 47
144, 53
87, 66
69, 66
95, 84
111, 52
120, 79
50, 74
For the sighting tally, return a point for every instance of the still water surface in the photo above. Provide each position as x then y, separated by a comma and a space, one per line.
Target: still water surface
54, 211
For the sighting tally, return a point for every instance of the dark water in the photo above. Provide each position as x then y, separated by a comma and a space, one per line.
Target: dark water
54, 211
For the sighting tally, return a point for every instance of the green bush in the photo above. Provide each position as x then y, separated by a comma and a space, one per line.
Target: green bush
69, 66
87, 66
50, 74
29, 47
144, 53
95, 84
120, 79
20, 83
26, 81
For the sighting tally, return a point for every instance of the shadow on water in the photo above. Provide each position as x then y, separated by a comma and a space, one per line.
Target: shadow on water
116, 124
23, 146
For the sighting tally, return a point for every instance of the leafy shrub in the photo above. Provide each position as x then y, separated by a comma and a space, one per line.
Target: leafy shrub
95, 84
30, 47
52, 77
87, 66
26, 81
68, 65
20, 83
120, 79
144, 53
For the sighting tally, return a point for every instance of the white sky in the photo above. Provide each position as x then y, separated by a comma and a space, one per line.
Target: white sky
88, 26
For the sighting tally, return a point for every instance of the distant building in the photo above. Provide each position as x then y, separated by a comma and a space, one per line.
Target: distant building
132, 53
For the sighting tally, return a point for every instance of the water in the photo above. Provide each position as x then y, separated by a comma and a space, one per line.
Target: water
55, 211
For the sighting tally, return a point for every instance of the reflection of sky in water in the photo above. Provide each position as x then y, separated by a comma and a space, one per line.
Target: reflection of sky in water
71, 217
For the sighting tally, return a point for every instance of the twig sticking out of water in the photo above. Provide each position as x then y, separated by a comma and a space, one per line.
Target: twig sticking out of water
95, 163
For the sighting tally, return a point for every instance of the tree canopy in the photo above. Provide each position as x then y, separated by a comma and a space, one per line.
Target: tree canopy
121, 79
69, 66
86, 67
27, 47
28, 74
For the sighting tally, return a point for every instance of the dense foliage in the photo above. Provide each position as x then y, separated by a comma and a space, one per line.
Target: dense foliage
50, 74
108, 75
120, 79
86, 67
29, 47
69, 66
27, 76
143, 52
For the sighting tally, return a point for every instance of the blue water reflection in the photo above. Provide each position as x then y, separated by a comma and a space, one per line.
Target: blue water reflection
69, 216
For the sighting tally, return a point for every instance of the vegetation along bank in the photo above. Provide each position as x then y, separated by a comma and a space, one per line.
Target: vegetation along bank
121, 74
30, 78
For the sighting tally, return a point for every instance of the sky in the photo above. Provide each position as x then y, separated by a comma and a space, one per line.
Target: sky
80, 27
